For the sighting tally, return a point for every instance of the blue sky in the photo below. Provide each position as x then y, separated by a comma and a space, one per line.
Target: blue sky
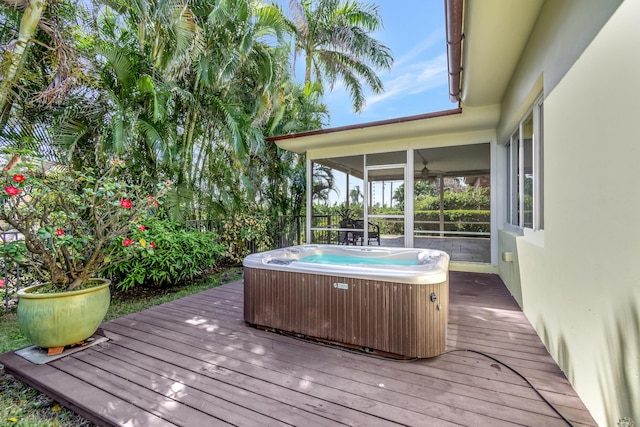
417, 82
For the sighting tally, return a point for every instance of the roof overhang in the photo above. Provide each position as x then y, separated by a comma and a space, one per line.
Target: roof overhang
453, 19
393, 133
495, 33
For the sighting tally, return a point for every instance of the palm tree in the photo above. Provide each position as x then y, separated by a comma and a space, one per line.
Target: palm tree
334, 36
183, 90
121, 107
234, 89
296, 109
38, 71
323, 183
280, 174
15, 53
356, 195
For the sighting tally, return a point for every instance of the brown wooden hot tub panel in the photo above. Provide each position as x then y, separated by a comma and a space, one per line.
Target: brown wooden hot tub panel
389, 317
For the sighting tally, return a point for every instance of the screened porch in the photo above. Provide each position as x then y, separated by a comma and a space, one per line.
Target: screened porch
436, 198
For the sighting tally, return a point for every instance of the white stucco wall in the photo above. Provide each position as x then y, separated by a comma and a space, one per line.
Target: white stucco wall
580, 284
563, 30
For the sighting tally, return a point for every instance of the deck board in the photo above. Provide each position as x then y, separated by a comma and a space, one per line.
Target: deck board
195, 362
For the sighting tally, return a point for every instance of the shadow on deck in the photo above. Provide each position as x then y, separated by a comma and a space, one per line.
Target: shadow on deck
194, 362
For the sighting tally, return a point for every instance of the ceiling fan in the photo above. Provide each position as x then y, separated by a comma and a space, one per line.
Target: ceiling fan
426, 172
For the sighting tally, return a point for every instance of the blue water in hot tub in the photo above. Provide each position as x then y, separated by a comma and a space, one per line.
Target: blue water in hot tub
347, 260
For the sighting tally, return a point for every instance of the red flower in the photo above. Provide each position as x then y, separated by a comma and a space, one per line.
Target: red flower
142, 228
126, 203
127, 242
153, 245
60, 232
168, 183
2, 283
11, 190
18, 178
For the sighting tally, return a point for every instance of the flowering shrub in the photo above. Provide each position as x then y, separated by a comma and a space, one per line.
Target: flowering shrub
74, 222
184, 253
243, 233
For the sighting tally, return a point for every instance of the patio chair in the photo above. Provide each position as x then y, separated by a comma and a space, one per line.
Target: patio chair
373, 232
347, 237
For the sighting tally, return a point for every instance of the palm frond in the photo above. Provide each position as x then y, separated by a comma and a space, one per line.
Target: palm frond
269, 22
120, 64
152, 137
188, 43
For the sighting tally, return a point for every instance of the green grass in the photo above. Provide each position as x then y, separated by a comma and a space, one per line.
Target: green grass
11, 337
21, 405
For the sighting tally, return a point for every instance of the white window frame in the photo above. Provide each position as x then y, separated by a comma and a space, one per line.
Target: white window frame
516, 170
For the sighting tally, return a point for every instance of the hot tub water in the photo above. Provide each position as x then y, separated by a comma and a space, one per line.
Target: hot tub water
355, 260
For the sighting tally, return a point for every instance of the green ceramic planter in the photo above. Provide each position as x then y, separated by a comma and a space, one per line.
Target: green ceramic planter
65, 318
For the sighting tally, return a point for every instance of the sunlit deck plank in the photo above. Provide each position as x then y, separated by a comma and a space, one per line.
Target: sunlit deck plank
195, 361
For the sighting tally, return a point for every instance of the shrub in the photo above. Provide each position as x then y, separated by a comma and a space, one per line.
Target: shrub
180, 253
470, 199
73, 222
456, 220
245, 233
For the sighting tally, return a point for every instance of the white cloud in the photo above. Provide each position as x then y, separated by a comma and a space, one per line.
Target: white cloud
413, 79
420, 69
420, 47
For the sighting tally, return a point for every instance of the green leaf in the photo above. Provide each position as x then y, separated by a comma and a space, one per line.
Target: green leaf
43, 233
145, 84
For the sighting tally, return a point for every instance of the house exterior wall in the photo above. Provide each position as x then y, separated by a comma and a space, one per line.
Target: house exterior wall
562, 32
577, 281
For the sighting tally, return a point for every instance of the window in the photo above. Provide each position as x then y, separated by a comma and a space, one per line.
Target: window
525, 190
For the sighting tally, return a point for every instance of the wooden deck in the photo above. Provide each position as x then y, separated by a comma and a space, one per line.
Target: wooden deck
194, 362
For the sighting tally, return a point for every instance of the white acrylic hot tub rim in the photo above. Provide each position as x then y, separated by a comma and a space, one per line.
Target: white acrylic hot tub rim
432, 267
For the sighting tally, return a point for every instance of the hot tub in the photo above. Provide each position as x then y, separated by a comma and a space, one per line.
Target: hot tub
392, 301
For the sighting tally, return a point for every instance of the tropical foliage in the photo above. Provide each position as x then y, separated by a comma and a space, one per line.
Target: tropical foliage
183, 90
244, 230
183, 253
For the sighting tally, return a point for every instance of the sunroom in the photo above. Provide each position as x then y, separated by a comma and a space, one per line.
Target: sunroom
420, 181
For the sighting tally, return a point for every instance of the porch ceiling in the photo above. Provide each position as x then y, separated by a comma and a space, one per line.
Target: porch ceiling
464, 160
495, 33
